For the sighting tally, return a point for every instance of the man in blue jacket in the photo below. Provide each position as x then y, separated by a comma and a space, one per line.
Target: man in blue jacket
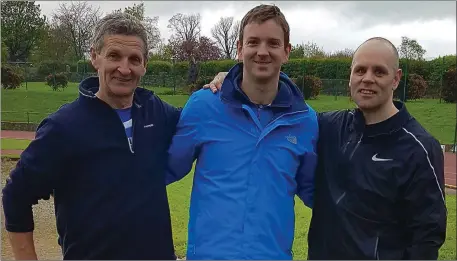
380, 177
255, 145
103, 157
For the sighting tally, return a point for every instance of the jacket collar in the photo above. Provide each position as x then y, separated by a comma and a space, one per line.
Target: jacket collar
288, 96
386, 127
89, 87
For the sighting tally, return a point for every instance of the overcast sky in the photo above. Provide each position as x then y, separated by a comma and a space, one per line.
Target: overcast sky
332, 25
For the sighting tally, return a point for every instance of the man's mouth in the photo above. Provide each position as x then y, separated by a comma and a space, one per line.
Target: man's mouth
365, 91
262, 63
122, 79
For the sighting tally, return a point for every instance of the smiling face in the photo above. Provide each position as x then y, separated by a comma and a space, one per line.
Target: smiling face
374, 76
263, 50
120, 64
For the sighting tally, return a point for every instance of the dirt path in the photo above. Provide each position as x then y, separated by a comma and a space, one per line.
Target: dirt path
27, 135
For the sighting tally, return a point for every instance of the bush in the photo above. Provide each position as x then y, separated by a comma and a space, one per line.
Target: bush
309, 85
449, 92
56, 81
11, 78
416, 87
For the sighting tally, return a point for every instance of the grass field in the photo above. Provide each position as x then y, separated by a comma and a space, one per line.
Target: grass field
14, 144
39, 100
179, 194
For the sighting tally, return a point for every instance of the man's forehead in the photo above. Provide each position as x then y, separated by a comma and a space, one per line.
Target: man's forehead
374, 52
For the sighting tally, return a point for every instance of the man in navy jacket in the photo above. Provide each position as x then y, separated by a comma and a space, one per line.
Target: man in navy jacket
103, 158
379, 183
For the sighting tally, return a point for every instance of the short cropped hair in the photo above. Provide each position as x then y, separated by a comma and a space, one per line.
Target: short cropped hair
389, 43
121, 24
262, 13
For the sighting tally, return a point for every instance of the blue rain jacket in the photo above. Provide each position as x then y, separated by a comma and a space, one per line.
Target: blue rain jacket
246, 175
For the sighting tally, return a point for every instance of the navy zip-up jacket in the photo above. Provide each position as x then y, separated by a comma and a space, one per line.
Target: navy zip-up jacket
379, 189
110, 202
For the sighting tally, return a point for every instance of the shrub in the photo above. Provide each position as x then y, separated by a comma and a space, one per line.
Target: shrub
56, 81
11, 78
416, 87
309, 85
449, 91
50, 67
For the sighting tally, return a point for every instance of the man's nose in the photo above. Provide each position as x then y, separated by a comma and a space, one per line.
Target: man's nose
124, 67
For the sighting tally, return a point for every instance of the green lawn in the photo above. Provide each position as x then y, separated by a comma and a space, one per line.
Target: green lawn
179, 195
14, 144
39, 100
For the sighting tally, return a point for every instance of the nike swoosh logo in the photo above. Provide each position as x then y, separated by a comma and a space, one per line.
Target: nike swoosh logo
148, 126
375, 158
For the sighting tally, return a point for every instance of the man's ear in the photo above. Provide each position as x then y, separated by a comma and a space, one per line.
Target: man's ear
93, 58
397, 79
239, 50
288, 48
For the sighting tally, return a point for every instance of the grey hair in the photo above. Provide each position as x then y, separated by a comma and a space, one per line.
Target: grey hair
118, 23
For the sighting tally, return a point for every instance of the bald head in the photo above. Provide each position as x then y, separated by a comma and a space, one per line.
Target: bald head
382, 45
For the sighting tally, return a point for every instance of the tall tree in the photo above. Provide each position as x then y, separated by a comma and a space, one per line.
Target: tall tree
150, 23
185, 27
312, 50
203, 49
297, 51
410, 49
76, 21
226, 34
22, 25
52, 46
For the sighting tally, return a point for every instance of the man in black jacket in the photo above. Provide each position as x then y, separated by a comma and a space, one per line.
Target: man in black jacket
379, 185
379, 191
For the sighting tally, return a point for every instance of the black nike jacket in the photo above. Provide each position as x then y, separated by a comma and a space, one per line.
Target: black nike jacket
379, 189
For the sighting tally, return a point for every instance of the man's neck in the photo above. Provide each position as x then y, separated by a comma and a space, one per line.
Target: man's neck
381, 114
116, 102
258, 92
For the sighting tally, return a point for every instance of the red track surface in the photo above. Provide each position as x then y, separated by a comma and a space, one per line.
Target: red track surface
449, 158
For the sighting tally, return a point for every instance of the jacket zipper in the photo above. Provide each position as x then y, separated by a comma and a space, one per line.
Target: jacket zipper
356, 146
376, 253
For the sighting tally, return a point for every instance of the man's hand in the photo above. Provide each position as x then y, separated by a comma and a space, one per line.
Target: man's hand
216, 84
23, 246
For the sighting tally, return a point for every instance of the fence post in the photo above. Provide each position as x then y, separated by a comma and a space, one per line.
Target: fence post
28, 117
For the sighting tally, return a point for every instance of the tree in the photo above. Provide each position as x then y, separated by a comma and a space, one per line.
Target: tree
52, 46
76, 22
202, 50
312, 50
345, 53
410, 49
226, 34
4, 52
297, 51
21, 27
185, 27
150, 23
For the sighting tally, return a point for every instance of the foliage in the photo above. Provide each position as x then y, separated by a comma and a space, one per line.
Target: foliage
449, 92
21, 27
46, 68
410, 49
309, 85
416, 87
11, 77
76, 21
4, 52
56, 81
201, 49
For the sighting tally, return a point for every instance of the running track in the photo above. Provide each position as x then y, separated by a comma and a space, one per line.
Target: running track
449, 158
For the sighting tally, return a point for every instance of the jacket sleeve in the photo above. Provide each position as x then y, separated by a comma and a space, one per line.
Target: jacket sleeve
34, 177
306, 171
425, 206
185, 144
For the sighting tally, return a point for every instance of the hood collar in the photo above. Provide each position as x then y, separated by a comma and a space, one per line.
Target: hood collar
288, 96
388, 126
